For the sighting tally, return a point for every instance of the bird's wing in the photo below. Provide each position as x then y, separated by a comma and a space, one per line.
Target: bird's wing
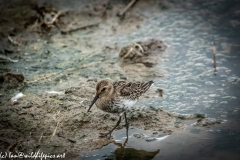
132, 90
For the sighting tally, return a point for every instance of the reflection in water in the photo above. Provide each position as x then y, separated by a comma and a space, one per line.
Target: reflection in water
124, 152
129, 147
127, 128
131, 153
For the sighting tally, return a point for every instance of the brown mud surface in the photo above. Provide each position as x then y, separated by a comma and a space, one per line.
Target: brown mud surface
59, 122
61, 56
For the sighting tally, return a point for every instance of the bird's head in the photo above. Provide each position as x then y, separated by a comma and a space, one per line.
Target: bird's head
103, 89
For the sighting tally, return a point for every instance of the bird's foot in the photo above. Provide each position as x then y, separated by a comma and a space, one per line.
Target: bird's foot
105, 134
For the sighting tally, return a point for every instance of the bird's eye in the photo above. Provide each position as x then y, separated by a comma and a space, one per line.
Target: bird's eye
103, 89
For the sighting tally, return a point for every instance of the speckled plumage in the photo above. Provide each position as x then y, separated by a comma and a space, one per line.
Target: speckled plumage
118, 96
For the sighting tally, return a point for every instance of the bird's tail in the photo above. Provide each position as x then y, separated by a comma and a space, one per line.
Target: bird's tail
146, 86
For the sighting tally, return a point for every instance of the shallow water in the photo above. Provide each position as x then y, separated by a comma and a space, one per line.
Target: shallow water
193, 143
190, 84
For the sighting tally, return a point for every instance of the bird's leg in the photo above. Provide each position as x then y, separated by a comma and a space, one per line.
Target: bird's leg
127, 126
126, 141
126, 122
110, 132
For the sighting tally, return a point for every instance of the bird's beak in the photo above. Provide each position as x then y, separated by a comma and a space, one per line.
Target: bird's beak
94, 100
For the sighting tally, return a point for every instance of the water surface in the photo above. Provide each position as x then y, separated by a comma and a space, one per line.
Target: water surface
190, 84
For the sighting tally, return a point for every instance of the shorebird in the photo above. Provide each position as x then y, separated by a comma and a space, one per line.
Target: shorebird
117, 97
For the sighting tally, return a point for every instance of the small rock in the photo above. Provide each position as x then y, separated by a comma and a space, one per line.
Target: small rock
93, 79
207, 122
109, 157
12, 77
160, 92
168, 132
123, 77
22, 112
82, 136
162, 135
153, 108
138, 135
28, 105
71, 140
199, 115
149, 139
182, 117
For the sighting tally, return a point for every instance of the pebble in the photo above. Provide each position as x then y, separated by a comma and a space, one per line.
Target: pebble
123, 77
149, 139
93, 79
139, 135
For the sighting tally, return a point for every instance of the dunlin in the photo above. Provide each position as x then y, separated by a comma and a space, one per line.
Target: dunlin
117, 97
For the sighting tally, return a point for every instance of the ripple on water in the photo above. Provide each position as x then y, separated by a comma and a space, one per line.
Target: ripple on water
190, 83
210, 83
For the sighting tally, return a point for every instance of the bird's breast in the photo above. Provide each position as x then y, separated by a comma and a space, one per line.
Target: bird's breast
115, 105
122, 105
128, 102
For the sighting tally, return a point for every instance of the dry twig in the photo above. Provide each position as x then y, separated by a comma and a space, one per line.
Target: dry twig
78, 28
139, 46
49, 24
4, 58
127, 54
39, 141
13, 42
13, 145
121, 13
54, 132
135, 50
214, 56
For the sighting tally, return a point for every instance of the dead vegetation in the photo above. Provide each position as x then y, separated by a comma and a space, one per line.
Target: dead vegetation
148, 52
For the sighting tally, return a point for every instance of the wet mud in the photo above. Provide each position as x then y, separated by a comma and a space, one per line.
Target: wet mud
58, 122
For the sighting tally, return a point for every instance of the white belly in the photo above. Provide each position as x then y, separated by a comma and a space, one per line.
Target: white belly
128, 103
123, 105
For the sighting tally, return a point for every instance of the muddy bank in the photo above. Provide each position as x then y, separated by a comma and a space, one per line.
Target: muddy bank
59, 122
